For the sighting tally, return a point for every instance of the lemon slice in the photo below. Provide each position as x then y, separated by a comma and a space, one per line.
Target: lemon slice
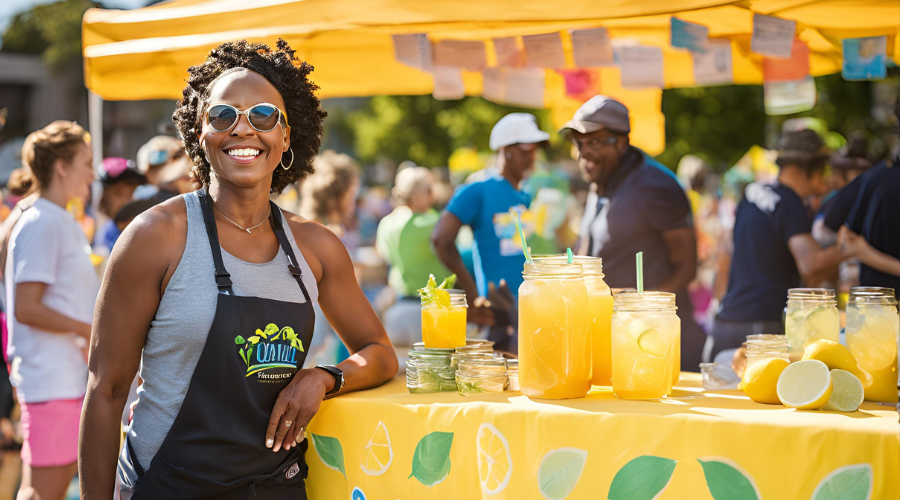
761, 380
494, 459
378, 453
654, 343
874, 345
805, 385
848, 392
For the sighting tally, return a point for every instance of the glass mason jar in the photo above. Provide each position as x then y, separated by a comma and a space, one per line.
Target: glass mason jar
811, 315
478, 375
872, 328
429, 370
512, 372
473, 349
554, 332
445, 327
600, 306
764, 346
646, 333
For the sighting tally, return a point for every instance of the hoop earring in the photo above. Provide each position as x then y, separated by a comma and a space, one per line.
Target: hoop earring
289, 164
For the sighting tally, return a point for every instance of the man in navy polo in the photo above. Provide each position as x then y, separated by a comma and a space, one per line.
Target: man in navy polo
635, 205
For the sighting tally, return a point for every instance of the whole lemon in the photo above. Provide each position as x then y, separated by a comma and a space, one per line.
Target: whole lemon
836, 357
760, 380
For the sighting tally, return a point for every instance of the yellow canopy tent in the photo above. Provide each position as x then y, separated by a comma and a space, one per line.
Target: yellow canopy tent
145, 53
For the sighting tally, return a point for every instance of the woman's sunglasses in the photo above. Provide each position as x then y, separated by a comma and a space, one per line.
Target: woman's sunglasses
263, 117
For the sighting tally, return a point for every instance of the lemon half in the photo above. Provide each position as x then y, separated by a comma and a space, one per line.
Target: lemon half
805, 385
848, 392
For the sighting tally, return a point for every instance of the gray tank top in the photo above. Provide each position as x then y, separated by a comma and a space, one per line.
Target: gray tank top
183, 319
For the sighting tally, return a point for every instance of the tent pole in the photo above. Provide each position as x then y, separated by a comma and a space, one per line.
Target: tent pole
95, 126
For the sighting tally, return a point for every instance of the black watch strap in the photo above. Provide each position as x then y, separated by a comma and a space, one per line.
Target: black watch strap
338, 375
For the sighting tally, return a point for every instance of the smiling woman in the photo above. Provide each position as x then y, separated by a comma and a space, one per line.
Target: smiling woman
211, 294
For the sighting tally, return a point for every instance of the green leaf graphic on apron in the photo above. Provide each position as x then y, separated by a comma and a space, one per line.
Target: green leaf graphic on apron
244, 357
431, 461
330, 452
560, 471
239, 340
643, 478
852, 482
726, 480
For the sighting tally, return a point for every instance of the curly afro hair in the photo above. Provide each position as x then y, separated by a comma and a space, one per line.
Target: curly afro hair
290, 78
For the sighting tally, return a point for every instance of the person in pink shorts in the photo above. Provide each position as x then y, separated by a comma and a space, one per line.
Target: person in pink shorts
51, 287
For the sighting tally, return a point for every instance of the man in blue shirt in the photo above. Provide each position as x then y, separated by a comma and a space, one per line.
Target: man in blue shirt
635, 205
773, 246
487, 207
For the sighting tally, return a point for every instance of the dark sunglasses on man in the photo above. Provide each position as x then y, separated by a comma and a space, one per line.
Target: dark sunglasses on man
263, 117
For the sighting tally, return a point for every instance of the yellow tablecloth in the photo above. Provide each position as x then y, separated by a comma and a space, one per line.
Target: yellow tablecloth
783, 453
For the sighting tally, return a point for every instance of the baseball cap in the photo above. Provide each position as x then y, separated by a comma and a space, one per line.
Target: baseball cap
115, 170
801, 145
157, 151
598, 113
517, 128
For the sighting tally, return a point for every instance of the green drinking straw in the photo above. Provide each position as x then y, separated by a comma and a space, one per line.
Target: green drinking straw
640, 271
569, 255
522, 237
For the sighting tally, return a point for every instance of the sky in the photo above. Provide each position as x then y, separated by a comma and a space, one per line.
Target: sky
9, 8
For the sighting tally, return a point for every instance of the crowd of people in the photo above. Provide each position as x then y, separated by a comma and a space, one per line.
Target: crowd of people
125, 290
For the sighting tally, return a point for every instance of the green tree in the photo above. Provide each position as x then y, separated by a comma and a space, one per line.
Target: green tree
52, 30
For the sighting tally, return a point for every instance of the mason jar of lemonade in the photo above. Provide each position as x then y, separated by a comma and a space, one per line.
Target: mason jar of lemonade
600, 306
444, 325
811, 315
646, 338
554, 332
872, 328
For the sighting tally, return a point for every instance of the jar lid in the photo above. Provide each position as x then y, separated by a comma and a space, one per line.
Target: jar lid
812, 294
631, 300
872, 295
590, 266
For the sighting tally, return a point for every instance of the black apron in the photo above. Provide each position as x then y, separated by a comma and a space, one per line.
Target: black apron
216, 446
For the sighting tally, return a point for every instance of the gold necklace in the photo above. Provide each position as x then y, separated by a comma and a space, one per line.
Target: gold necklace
245, 228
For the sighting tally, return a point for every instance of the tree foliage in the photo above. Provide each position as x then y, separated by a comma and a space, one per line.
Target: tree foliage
51, 30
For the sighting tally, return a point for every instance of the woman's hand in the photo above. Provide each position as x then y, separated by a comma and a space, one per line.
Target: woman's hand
297, 403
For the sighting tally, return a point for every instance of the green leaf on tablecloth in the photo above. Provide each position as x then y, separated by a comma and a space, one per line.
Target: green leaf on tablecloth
853, 482
431, 461
560, 471
726, 480
330, 452
643, 478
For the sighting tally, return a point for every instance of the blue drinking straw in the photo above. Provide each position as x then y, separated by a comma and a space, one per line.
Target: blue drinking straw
640, 271
522, 237
569, 255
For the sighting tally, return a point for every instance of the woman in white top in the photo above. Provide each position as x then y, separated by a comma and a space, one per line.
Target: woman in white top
51, 289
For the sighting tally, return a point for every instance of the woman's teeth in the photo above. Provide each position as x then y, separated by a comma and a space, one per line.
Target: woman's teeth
244, 153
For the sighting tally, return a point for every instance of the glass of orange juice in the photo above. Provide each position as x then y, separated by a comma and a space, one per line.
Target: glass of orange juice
646, 335
554, 332
444, 325
600, 306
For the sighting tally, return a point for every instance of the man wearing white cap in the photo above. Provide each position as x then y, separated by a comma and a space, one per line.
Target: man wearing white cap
635, 205
485, 206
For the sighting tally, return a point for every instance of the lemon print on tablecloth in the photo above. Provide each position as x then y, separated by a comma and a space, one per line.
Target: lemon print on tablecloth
494, 460
560, 471
378, 453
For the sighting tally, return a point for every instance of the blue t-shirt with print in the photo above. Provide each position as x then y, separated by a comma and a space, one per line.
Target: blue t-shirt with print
485, 206
763, 267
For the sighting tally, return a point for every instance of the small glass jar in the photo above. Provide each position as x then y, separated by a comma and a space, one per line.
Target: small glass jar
475, 376
764, 346
429, 370
445, 327
512, 372
873, 326
811, 315
646, 333
554, 332
481, 349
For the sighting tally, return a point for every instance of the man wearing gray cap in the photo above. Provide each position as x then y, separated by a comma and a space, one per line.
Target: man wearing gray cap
635, 205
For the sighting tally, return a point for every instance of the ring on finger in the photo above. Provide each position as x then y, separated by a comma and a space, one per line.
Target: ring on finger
287, 423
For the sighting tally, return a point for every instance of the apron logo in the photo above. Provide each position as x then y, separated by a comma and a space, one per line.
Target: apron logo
292, 471
269, 348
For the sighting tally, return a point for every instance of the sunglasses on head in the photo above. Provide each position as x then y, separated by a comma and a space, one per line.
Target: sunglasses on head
263, 117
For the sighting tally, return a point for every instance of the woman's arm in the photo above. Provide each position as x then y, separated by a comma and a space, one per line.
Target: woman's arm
854, 245
373, 361
129, 296
31, 311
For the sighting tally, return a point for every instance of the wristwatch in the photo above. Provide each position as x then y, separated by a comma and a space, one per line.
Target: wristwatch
338, 375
